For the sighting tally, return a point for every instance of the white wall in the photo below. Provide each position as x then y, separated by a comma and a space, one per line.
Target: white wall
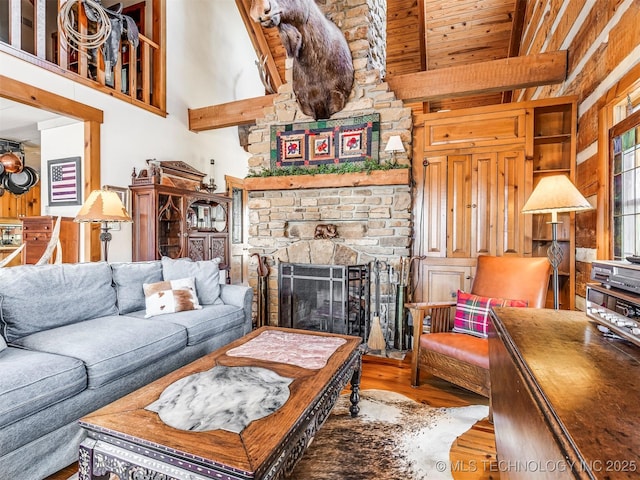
210, 60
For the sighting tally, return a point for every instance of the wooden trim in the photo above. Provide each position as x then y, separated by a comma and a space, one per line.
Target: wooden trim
398, 176
159, 8
259, 42
517, 28
15, 23
92, 118
91, 181
78, 79
241, 112
423, 34
35, 97
604, 248
480, 78
497, 75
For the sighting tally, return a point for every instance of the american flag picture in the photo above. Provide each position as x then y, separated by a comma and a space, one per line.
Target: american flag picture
64, 184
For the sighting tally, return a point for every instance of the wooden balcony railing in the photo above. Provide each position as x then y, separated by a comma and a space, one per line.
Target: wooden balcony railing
138, 76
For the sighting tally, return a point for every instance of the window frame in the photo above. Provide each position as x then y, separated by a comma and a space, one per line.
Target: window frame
632, 121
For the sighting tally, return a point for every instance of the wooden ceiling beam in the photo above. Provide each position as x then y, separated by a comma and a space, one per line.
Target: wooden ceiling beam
240, 112
445, 83
517, 28
484, 77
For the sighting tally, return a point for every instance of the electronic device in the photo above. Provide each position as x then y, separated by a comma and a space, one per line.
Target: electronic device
617, 274
617, 312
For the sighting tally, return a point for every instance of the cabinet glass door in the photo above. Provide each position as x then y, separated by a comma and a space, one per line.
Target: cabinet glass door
170, 221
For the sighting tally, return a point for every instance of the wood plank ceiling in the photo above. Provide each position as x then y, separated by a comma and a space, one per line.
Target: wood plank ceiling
427, 35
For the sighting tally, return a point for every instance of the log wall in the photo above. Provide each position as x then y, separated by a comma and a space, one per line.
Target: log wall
603, 40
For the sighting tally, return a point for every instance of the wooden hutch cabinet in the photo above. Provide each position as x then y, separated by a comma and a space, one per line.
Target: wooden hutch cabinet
174, 222
474, 169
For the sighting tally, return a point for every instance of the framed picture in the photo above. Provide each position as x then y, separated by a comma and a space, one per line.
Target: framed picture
123, 193
64, 182
311, 144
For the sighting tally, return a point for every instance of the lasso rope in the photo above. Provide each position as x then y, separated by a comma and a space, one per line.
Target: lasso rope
77, 40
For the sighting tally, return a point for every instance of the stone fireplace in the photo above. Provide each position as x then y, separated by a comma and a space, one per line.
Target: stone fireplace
371, 213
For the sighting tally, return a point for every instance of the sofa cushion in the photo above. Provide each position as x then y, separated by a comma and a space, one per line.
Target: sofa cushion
36, 298
112, 346
32, 381
170, 296
3, 344
129, 277
470, 349
206, 273
472, 312
203, 324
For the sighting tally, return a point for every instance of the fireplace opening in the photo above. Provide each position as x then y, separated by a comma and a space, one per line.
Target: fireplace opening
324, 298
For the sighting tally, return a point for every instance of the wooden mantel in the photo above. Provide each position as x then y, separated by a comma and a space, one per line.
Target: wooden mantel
400, 176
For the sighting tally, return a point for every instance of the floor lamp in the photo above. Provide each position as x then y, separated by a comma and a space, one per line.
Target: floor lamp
103, 206
555, 194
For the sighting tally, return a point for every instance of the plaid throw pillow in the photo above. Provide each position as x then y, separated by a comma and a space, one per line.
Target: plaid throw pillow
472, 312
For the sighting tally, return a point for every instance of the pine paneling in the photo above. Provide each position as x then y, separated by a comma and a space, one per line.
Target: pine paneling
405, 47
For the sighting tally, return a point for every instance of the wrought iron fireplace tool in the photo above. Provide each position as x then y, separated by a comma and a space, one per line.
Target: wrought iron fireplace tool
376, 339
263, 291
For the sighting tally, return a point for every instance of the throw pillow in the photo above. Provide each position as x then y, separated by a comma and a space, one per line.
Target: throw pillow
472, 312
3, 343
129, 277
206, 273
170, 296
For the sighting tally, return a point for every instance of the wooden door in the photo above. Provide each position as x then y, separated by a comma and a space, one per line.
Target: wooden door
143, 211
441, 280
239, 246
513, 189
429, 201
198, 247
483, 204
171, 224
459, 206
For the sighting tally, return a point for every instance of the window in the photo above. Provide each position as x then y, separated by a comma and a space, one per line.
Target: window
625, 169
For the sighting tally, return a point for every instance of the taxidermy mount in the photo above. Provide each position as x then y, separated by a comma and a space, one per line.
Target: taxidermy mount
322, 64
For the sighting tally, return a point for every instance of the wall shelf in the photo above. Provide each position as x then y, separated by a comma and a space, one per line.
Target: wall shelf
398, 176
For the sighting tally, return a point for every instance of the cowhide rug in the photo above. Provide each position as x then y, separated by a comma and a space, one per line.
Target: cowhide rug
392, 438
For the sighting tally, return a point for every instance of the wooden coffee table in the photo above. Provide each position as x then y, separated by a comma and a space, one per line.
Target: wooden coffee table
126, 438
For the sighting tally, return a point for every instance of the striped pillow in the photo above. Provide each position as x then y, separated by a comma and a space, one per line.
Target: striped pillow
472, 312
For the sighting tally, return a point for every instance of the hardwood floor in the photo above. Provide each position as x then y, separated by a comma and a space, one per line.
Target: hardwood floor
472, 455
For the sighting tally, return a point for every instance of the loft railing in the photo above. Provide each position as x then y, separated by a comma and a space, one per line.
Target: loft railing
138, 76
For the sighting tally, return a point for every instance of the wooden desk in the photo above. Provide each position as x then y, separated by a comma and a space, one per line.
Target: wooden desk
565, 399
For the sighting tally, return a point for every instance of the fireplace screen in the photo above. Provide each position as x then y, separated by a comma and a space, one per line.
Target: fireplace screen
325, 298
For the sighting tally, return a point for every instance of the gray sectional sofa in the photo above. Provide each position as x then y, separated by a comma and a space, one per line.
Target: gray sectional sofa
75, 338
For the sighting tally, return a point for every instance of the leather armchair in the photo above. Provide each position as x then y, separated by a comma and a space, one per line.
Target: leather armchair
460, 358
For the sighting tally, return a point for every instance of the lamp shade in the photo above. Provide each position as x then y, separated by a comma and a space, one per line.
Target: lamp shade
555, 194
394, 144
103, 206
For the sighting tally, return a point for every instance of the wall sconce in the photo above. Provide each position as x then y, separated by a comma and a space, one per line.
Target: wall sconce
555, 194
394, 144
103, 206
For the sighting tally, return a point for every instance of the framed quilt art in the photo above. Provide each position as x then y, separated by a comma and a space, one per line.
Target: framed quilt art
311, 144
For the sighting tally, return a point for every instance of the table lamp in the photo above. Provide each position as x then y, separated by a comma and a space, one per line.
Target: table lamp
555, 194
394, 145
103, 206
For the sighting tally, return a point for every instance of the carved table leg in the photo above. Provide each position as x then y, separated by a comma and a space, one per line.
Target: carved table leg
355, 390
